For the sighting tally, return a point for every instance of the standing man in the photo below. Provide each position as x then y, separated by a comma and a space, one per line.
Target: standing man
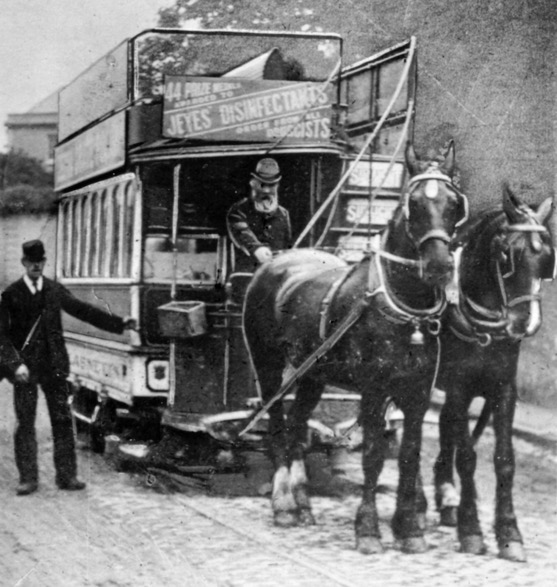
32, 349
258, 225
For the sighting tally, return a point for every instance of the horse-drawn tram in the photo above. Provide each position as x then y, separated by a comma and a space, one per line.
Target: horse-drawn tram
156, 141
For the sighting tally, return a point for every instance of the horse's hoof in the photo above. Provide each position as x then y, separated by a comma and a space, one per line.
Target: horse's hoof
512, 551
421, 521
306, 518
369, 545
447, 516
473, 544
286, 519
414, 545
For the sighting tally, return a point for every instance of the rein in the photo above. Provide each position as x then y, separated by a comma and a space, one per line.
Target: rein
392, 309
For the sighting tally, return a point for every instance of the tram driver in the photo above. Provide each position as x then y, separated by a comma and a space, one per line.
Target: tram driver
258, 225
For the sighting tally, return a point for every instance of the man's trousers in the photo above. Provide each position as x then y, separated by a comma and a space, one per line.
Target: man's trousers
55, 389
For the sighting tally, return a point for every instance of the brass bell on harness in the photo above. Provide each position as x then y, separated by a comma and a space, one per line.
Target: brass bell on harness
417, 336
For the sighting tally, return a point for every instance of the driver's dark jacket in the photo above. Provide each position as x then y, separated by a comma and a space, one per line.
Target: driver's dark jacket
249, 229
19, 309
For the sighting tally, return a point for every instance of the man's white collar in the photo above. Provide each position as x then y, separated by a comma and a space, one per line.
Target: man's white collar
33, 287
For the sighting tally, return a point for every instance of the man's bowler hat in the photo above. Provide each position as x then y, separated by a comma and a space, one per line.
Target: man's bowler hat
267, 171
34, 251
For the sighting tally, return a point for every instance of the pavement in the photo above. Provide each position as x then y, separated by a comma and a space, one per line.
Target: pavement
531, 422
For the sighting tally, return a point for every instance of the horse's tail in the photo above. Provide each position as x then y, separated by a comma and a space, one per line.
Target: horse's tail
482, 422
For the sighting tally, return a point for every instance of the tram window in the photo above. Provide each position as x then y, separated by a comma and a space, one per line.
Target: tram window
94, 223
117, 231
127, 223
389, 76
359, 102
97, 232
76, 237
158, 209
107, 224
65, 220
158, 193
85, 234
196, 258
388, 139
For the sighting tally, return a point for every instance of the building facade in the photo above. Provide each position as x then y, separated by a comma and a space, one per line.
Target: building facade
35, 132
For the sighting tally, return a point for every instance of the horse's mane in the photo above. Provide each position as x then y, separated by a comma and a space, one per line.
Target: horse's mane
479, 232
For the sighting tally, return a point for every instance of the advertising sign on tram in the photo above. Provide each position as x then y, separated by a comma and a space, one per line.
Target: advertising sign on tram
97, 150
219, 109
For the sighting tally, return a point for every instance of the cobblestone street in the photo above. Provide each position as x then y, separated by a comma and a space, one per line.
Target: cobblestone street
125, 531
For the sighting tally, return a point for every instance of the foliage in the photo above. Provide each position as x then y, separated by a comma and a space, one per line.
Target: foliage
26, 199
25, 187
242, 14
359, 22
18, 168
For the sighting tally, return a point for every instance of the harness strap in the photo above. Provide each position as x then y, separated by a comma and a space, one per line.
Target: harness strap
326, 305
323, 349
395, 310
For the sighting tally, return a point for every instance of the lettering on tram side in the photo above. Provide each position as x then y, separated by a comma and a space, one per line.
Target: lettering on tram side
358, 211
105, 368
245, 110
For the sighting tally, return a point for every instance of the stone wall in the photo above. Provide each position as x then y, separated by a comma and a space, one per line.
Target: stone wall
486, 77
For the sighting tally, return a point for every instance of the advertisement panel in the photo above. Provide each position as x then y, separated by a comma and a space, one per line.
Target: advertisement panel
218, 109
98, 150
97, 91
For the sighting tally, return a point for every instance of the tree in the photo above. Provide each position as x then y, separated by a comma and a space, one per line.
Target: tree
357, 21
25, 187
243, 14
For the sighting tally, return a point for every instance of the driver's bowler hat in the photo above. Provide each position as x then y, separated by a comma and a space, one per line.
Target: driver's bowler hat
267, 171
34, 251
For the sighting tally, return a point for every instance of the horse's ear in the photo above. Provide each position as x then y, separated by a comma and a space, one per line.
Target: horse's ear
550, 220
411, 159
545, 210
511, 205
448, 164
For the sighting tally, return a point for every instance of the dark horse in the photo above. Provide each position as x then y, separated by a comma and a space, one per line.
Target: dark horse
505, 255
396, 298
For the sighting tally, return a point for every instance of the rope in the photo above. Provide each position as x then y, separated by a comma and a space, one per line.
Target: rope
324, 348
392, 161
369, 140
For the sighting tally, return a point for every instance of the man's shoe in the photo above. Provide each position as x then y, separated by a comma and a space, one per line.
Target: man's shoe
72, 485
27, 488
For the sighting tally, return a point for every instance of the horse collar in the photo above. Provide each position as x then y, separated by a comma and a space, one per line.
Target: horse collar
396, 311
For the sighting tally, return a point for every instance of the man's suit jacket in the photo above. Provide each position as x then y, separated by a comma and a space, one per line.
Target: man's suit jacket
249, 229
19, 311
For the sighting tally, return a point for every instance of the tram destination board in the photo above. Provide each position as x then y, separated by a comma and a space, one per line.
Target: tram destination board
218, 109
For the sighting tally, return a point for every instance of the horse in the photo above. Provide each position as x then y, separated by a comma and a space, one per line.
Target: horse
383, 314
504, 256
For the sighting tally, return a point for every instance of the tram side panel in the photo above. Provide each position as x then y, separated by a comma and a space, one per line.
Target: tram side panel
213, 375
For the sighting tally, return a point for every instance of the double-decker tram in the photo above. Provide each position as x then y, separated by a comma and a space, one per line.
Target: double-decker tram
156, 141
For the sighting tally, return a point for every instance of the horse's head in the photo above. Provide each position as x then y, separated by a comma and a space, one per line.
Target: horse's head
522, 255
433, 208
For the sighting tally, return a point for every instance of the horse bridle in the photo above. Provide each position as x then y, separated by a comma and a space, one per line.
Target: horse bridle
432, 173
491, 323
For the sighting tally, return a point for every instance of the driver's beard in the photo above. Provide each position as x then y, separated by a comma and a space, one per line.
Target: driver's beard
266, 206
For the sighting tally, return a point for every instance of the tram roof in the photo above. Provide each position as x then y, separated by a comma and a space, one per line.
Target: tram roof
133, 72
